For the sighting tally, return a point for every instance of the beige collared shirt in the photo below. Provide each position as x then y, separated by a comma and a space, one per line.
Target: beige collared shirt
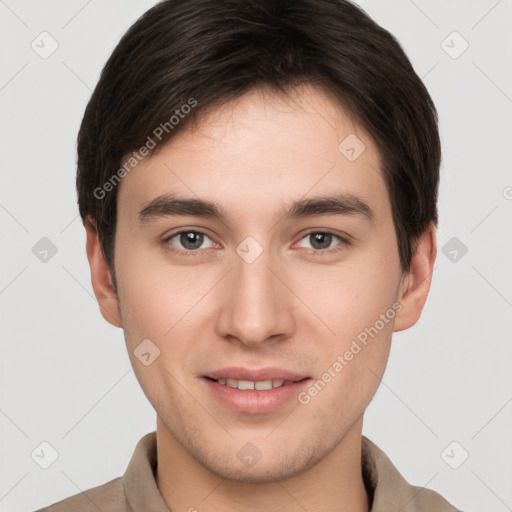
137, 491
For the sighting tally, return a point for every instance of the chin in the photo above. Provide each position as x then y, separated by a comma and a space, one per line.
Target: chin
264, 474
272, 467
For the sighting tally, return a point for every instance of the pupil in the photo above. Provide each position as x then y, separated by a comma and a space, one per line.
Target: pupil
325, 237
191, 240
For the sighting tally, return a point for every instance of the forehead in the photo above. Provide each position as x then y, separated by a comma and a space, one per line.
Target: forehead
259, 152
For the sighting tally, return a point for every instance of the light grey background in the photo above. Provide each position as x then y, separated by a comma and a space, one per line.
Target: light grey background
65, 375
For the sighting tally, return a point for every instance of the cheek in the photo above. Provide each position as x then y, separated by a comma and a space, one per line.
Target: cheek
350, 375
357, 302
154, 295
164, 304
351, 296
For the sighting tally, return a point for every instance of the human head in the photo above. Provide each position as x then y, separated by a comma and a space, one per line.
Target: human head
183, 58
257, 133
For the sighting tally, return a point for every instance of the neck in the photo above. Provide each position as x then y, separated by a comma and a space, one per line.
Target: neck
333, 484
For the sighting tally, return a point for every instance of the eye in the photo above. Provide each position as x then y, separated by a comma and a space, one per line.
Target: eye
192, 241
321, 240
189, 239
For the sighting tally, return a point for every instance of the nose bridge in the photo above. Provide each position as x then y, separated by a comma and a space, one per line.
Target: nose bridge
255, 305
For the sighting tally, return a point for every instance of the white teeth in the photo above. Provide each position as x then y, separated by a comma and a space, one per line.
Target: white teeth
263, 385
244, 385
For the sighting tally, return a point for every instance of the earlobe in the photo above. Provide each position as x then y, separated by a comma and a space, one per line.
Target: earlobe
100, 277
415, 285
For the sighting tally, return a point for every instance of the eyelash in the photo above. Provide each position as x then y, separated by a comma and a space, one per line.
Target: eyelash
317, 252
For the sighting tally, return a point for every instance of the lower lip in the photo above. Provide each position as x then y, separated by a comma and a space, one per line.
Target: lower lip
254, 401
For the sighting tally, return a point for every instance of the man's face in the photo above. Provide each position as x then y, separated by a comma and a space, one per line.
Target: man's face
248, 290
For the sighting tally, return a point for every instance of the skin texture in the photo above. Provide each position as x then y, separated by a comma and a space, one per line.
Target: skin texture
290, 308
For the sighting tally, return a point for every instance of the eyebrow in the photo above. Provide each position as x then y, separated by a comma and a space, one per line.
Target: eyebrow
340, 204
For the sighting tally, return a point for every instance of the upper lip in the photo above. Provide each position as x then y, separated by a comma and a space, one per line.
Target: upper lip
239, 373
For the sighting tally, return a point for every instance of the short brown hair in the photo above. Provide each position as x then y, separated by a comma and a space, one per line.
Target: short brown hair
213, 51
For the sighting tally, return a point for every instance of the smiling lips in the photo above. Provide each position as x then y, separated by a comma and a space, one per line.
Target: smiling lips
244, 379
260, 385
254, 391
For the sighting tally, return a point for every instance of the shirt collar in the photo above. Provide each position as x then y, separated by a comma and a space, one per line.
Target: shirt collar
139, 481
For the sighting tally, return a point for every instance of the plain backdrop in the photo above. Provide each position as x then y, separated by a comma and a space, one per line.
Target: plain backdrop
443, 412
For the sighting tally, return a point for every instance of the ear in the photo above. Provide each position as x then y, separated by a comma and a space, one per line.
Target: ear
100, 276
415, 285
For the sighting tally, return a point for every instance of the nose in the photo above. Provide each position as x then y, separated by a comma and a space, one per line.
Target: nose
256, 303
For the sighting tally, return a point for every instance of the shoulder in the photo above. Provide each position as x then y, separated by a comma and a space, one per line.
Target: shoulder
428, 500
109, 496
391, 491
136, 489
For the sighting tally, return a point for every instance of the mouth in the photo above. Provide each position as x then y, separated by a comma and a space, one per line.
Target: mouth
256, 379
256, 385
254, 392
